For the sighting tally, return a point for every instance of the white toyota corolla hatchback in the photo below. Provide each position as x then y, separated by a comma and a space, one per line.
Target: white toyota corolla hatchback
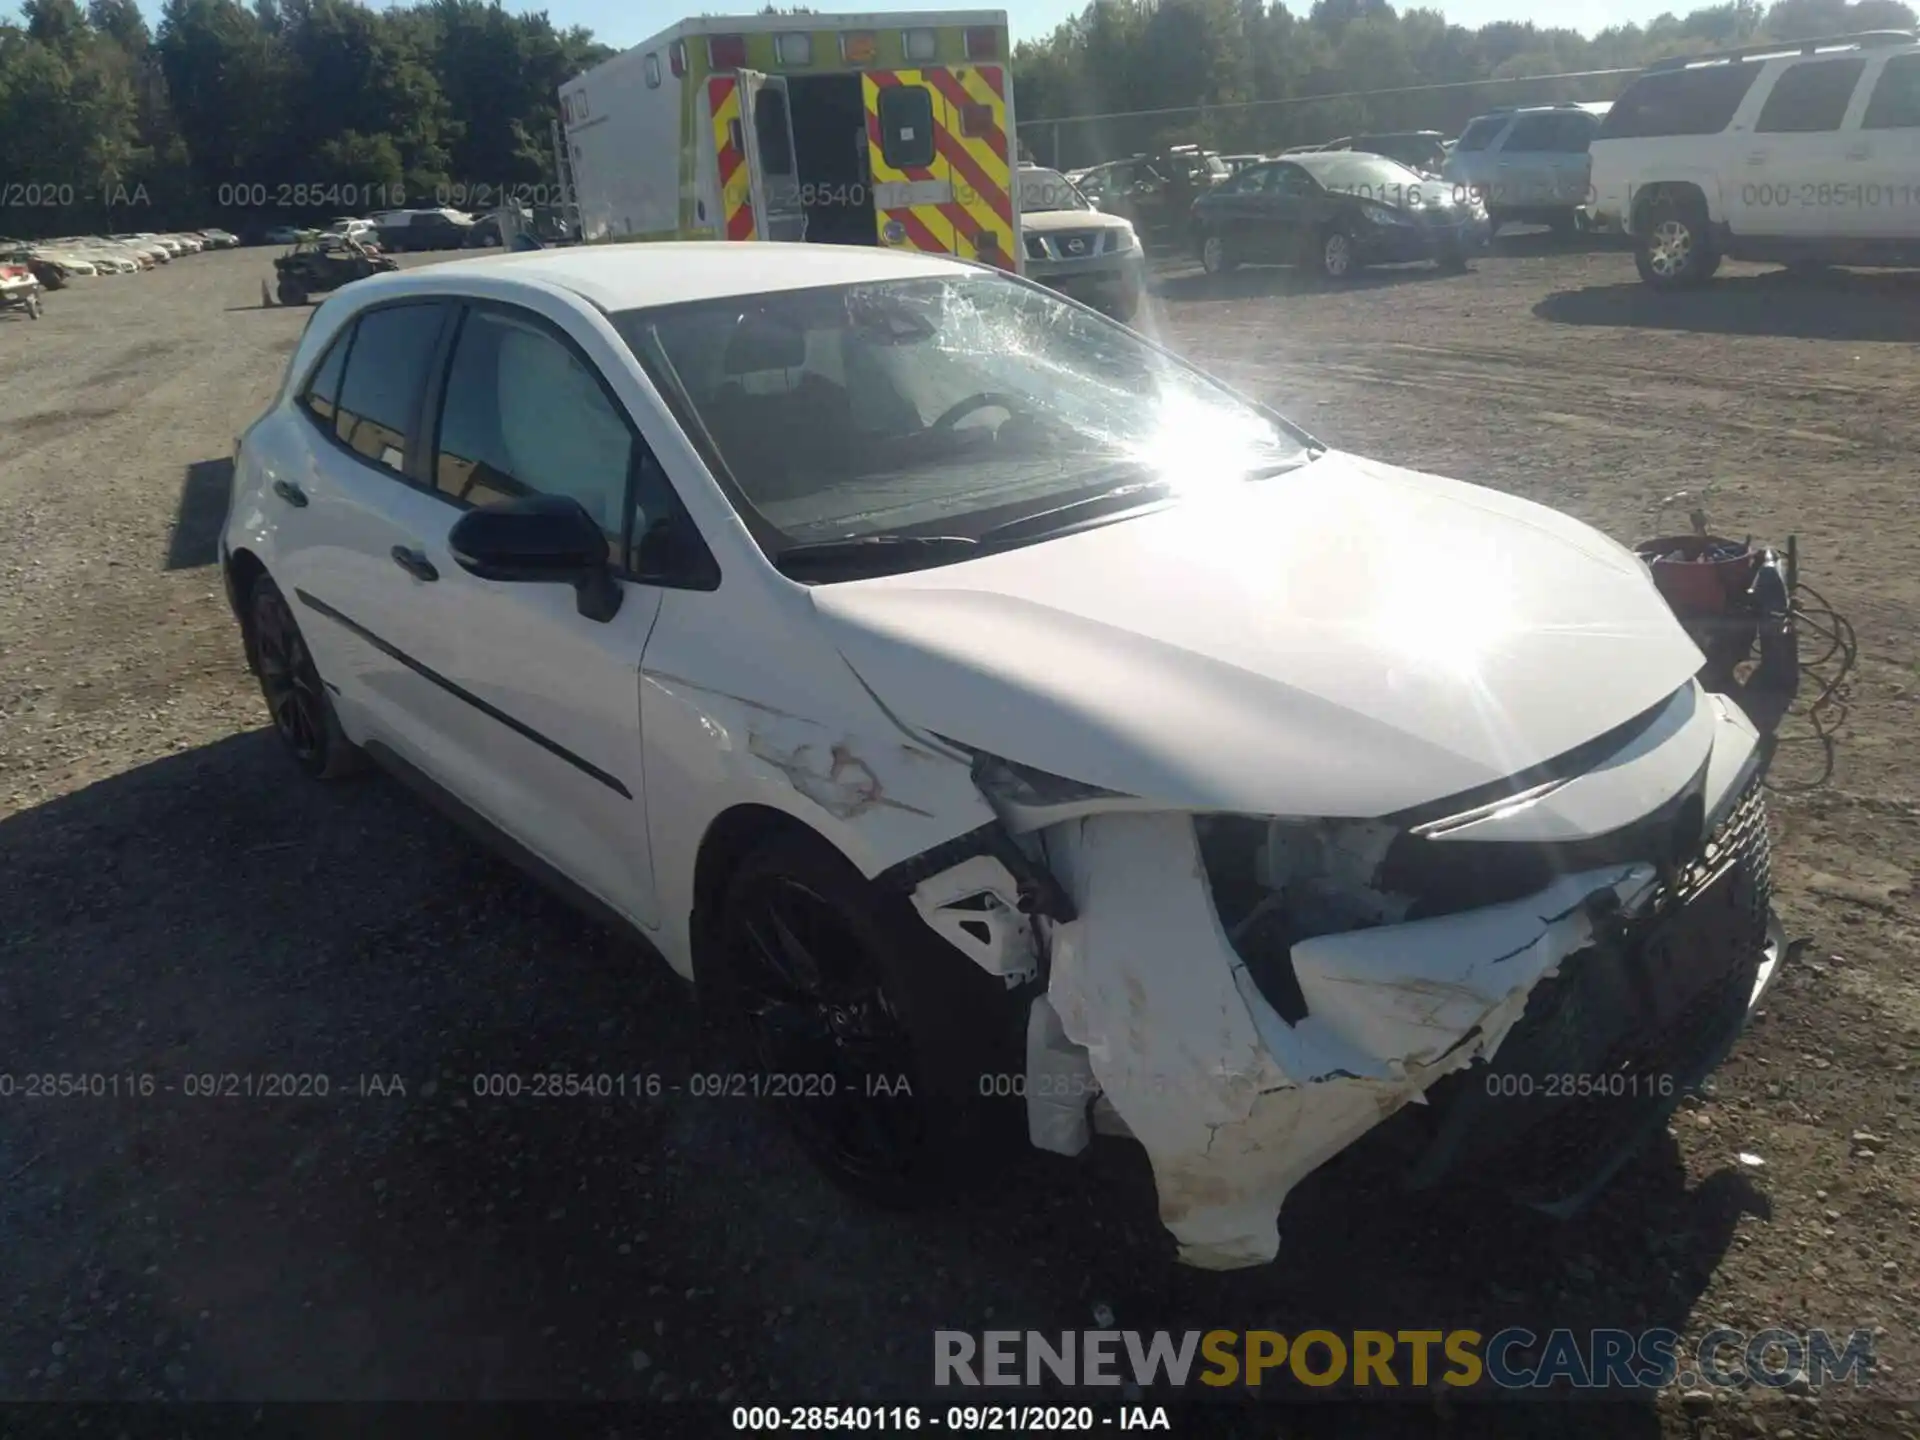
1011, 729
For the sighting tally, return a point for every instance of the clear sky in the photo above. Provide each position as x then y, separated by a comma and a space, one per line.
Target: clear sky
627, 22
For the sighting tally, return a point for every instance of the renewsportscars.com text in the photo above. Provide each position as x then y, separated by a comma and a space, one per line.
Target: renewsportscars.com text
1510, 1359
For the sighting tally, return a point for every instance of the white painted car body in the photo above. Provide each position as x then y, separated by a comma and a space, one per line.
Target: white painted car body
1340, 643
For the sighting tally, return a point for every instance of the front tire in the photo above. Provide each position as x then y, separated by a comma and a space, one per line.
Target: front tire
1671, 248
297, 700
873, 1037
290, 292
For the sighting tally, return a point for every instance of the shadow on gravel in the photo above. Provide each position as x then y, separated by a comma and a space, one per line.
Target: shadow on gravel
212, 919
1531, 242
1830, 305
1260, 281
202, 510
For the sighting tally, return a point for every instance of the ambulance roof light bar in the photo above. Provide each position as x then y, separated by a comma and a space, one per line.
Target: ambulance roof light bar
727, 52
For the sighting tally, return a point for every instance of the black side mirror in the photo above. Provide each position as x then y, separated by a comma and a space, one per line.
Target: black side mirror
539, 539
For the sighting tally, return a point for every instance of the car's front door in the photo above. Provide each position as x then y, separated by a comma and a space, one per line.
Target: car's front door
553, 696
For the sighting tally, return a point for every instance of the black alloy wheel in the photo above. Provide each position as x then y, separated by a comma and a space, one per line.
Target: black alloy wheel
828, 1043
296, 697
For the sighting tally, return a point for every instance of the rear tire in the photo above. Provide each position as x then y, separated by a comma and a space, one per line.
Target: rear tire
1671, 246
297, 700
1216, 257
1563, 224
290, 292
825, 980
1334, 256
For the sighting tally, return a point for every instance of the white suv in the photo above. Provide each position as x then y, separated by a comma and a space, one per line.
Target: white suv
1805, 152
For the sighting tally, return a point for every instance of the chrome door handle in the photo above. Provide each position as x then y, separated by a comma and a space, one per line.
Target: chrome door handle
415, 563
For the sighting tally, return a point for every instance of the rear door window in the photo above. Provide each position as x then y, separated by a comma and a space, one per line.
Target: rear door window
385, 376
1810, 97
1700, 101
1896, 96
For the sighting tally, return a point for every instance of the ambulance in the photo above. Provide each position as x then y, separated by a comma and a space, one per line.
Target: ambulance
893, 129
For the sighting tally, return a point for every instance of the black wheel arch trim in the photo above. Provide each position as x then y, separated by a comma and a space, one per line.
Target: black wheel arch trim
492, 712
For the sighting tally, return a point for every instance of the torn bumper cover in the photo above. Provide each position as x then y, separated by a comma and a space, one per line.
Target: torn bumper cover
1596, 999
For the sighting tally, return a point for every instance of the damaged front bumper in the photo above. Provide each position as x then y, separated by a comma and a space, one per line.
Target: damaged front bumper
1537, 1036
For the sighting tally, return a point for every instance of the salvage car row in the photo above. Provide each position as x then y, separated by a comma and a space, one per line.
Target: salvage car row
56, 262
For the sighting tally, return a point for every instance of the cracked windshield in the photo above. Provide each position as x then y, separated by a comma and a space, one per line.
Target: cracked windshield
941, 407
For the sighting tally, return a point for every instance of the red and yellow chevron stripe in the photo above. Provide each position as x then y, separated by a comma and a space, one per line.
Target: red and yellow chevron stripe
971, 164
736, 193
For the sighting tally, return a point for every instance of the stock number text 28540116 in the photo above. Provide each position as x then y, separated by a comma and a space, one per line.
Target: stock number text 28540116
303, 195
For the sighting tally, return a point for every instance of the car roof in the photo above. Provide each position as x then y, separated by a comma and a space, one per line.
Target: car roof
649, 273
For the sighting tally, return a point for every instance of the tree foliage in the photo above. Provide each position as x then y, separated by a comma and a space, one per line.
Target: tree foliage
251, 112
1194, 64
255, 113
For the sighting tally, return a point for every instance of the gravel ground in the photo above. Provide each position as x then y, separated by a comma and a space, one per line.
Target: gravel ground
174, 902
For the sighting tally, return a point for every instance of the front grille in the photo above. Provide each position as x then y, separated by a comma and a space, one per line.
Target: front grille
1445, 877
1036, 248
1606, 1048
1075, 244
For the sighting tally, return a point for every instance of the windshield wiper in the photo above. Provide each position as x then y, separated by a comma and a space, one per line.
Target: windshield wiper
878, 553
1061, 516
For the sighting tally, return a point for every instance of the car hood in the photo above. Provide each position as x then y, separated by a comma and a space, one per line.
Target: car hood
1047, 222
1349, 639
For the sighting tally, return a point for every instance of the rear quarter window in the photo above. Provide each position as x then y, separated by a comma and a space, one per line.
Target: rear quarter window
1896, 96
1700, 101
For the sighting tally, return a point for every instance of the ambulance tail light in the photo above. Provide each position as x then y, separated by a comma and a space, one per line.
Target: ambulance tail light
983, 43
727, 52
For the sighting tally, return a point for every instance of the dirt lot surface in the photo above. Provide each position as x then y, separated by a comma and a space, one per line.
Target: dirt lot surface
175, 902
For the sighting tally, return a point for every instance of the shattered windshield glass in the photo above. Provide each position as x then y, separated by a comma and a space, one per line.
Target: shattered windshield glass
938, 406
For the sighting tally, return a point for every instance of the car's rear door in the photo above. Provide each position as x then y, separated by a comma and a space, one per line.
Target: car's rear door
1292, 203
350, 530
1798, 151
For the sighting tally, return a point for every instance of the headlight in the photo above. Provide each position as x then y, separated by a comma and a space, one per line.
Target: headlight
1384, 215
1125, 241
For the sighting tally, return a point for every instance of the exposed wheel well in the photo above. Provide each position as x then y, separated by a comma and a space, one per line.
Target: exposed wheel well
243, 568
1679, 192
733, 836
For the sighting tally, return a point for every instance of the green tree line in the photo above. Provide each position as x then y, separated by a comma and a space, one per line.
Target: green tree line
274, 111
1189, 58
285, 110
